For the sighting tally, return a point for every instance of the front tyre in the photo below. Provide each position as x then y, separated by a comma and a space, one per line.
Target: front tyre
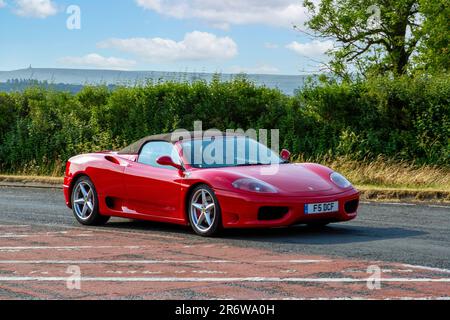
204, 211
85, 203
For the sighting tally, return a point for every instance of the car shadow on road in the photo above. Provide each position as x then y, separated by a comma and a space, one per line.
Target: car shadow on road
143, 226
332, 234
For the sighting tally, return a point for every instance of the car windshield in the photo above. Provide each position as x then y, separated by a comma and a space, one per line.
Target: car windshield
216, 152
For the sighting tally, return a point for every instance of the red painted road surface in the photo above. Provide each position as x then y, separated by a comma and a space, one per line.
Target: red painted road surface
35, 260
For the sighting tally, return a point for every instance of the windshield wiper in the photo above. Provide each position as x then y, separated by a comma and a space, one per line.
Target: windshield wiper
252, 164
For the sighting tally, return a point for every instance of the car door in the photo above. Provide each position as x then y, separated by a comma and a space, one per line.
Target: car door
153, 189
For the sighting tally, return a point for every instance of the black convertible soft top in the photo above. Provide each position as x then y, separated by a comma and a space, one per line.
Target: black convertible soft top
173, 137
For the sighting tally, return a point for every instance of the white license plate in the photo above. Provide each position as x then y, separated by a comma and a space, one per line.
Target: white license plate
317, 208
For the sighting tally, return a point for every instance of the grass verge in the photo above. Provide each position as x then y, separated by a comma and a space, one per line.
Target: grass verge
388, 174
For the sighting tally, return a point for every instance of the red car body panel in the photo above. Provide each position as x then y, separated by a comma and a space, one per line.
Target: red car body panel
133, 190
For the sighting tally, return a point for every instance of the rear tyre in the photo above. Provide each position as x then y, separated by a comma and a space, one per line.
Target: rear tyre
85, 203
204, 211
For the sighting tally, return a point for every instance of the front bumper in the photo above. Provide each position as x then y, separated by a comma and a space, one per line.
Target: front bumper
242, 210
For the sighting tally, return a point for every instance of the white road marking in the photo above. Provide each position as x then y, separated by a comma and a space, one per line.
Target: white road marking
209, 272
24, 262
14, 226
211, 279
143, 272
288, 271
421, 299
390, 203
45, 234
383, 270
405, 204
67, 248
104, 230
362, 298
400, 204
14, 236
409, 270
114, 261
293, 261
426, 268
146, 235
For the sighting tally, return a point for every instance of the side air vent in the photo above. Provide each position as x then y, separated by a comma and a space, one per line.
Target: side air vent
112, 159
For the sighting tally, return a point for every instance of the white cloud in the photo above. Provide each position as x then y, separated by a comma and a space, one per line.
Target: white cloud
98, 61
311, 49
221, 14
2, 4
195, 46
260, 69
270, 45
35, 8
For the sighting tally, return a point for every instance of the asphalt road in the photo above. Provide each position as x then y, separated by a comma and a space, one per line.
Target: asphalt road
411, 234
44, 253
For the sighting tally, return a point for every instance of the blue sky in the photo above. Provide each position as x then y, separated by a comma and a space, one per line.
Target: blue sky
253, 36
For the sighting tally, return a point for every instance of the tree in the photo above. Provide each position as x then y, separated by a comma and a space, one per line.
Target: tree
376, 35
433, 50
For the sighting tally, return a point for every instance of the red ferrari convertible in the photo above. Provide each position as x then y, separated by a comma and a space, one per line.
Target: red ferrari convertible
207, 181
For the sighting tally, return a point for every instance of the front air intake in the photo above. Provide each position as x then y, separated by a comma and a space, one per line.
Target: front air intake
272, 213
351, 206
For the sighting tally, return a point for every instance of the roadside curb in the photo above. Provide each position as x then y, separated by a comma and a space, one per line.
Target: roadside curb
405, 195
30, 185
31, 182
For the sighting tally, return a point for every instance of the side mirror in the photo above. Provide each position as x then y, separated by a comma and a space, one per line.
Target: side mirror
285, 155
167, 161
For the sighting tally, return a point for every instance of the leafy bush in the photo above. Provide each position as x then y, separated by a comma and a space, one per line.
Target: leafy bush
404, 119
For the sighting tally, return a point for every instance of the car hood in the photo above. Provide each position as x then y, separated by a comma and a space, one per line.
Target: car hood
287, 178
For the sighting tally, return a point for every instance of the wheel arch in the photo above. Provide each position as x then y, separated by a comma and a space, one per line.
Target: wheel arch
75, 178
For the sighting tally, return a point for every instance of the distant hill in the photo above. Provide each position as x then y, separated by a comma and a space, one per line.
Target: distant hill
20, 85
76, 78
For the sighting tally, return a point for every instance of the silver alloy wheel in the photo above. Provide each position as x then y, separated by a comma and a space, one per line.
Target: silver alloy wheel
84, 200
203, 210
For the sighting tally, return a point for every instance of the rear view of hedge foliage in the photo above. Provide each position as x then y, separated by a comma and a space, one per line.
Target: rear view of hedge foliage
406, 118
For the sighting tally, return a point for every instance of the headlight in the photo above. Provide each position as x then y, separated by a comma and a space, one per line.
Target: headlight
253, 185
340, 180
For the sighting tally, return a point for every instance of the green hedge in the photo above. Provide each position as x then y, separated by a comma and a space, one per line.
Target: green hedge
406, 118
